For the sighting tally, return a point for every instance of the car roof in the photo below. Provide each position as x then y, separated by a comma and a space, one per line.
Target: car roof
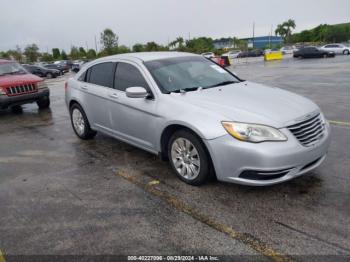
4, 61
147, 56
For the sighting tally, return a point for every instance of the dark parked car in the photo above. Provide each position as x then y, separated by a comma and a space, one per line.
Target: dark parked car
56, 67
252, 53
312, 52
77, 65
42, 71
66, 64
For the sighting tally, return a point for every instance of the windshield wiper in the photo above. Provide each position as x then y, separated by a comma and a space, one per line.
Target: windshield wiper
224, 83
17, 72
187, 89
7, 73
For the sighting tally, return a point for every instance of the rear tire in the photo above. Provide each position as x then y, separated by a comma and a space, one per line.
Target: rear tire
43, 102
189, 158
80, 123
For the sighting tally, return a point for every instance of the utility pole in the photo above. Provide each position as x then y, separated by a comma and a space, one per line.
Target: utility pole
253, 32
95, 45
87, 47
270, 37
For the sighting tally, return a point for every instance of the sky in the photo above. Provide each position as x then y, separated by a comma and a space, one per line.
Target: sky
63, 23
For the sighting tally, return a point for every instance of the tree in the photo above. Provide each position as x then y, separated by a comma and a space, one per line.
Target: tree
199, 45
324, 33
46, 57
91, 54
109, 41
56, 53
177, 43
285, 29
281, 30
32, 53
4, 55
138, 48
82, 52
123, 49
16, 54
172, 44
64, 55
151, 46
74, 53
290, 24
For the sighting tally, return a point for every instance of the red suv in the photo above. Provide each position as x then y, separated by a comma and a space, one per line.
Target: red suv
18, 87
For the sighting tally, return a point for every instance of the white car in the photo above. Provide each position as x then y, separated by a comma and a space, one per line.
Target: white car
337, 48
288, 49
208, 55
232, 54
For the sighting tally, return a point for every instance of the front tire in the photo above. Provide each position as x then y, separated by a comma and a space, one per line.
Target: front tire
17, 109
80, 123
49, 75
189, 158
346, 52
43, 102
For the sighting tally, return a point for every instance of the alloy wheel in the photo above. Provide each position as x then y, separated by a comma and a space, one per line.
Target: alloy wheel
78, 121
185, 158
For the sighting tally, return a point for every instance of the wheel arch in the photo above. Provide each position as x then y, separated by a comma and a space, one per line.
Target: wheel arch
170, 130
72, 102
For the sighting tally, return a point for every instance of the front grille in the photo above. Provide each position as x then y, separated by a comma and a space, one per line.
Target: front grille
309, 131
264, 175
21, 89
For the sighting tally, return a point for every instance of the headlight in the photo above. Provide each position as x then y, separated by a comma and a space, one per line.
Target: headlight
41, 85
253, 133
2, 91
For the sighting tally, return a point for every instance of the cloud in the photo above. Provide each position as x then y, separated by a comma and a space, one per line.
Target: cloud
64, 23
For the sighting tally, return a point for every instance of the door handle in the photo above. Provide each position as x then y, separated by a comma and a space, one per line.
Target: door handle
113, 96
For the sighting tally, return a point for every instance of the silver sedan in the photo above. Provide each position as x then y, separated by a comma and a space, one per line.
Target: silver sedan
202, 118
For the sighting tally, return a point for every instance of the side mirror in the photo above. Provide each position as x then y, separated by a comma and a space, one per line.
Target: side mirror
136, 92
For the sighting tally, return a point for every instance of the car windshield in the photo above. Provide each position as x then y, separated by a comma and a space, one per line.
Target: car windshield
188, 74
11, 69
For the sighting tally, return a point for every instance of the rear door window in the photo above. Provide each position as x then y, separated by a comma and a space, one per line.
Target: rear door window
102, 74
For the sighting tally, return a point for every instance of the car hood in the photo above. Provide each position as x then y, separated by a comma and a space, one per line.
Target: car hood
11, 80
251, 103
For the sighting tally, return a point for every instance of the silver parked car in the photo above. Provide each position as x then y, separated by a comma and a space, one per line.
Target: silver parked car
201, 117
337, 48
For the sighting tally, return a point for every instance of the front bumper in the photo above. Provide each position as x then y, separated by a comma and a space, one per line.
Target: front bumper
6, 101
231, 158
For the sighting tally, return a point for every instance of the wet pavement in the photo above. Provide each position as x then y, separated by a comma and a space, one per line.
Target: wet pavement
61, 195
